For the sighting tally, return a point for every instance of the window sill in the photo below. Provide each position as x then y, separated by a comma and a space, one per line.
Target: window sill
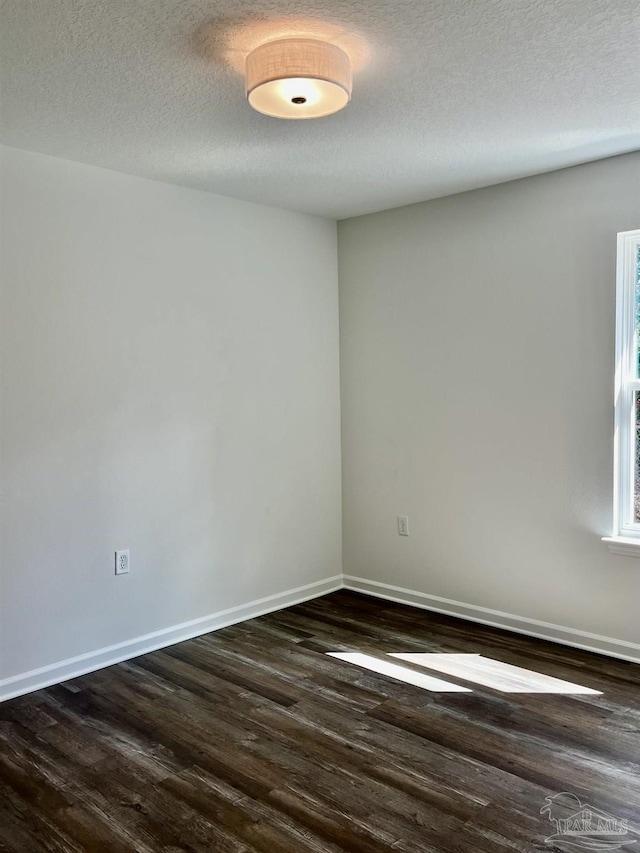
626, 546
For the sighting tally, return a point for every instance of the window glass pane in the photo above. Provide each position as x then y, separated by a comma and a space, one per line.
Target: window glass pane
636, 466
627, 431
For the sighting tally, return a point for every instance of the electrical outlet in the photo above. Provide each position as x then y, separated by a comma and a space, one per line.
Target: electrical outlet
403, 525
123, 562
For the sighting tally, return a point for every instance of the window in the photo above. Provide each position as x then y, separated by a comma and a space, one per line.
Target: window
626, 497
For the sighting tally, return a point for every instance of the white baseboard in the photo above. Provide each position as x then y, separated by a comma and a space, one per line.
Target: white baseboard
64, 670
497, 619
73, 667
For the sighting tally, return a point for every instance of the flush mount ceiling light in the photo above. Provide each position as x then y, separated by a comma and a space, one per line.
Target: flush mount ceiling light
298, 78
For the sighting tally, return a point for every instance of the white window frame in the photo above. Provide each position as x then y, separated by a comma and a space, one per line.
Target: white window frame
626, 531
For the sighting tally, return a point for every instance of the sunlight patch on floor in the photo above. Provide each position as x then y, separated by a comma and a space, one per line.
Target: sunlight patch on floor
401, 673
493, 673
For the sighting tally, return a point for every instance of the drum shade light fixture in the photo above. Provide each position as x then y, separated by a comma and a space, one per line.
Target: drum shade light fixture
298, 78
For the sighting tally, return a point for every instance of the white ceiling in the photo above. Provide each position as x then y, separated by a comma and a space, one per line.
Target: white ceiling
448, 94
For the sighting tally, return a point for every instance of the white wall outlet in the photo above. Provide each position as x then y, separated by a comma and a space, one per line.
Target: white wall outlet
403, 525
123, 562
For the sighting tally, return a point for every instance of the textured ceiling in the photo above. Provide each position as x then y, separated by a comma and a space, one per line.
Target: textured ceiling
448, 94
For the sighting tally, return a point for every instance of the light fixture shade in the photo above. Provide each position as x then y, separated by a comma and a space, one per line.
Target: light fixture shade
298, 78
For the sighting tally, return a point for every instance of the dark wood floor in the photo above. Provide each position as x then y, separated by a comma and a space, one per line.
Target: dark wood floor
253, 739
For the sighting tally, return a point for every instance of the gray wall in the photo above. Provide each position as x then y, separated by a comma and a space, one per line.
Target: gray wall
170, 384
477, 338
